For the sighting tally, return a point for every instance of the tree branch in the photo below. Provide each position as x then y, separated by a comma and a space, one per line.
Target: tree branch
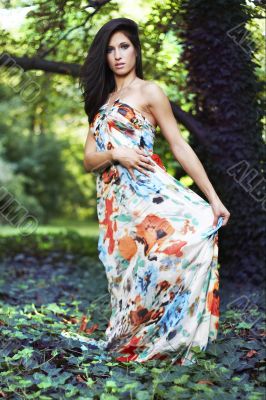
64, 36
199, 130
36, 63
97, 5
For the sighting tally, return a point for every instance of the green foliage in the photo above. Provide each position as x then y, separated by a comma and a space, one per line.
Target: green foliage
45, 293
43, 172
42, 244
44, 138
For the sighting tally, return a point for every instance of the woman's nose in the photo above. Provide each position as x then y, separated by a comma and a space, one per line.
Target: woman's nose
117, 54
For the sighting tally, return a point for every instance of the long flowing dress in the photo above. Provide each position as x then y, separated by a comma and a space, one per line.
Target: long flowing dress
158, 247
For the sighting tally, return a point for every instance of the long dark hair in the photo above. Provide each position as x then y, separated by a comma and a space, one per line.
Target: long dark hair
96, 78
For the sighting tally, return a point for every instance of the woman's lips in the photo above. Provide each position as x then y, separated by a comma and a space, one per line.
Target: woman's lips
119, 65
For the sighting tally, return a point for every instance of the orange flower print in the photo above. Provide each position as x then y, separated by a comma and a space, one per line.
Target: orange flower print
140, 316
127, 247
213, 300
154, 229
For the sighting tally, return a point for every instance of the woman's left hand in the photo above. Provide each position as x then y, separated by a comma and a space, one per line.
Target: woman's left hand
219, 210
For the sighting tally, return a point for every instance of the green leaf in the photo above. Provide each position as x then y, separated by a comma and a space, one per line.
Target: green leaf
45, 383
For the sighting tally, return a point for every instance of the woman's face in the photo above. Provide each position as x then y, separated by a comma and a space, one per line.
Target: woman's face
120, 50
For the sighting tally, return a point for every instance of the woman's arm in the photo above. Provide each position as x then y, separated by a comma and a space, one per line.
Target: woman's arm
188, 159
182, 151
93, 160
160, 107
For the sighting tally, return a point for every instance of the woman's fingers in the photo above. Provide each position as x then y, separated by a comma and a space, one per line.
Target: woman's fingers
143, 163
226, 217
145, 157
140, 151
132, 174
148, 162
147, 165
141, 170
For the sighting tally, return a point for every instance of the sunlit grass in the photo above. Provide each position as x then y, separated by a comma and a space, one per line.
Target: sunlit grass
90, 228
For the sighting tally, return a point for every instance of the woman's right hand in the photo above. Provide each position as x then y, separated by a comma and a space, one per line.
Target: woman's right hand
133, 158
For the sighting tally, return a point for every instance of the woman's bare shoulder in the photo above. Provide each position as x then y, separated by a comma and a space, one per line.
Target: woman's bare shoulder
147, 85
151, 90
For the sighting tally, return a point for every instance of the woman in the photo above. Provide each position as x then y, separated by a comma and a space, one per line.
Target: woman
158, 239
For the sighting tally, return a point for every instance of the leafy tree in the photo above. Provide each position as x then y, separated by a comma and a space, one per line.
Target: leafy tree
203, 49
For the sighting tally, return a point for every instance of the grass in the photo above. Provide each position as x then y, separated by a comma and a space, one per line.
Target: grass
90, 228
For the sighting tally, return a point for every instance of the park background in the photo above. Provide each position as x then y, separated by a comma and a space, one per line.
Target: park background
209, 57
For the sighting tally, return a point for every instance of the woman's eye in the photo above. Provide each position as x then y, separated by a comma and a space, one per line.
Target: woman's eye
123, 46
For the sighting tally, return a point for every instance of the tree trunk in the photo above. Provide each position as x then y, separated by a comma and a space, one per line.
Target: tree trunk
221, 69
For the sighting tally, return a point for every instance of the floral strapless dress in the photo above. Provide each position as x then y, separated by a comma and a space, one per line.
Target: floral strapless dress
159, 250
